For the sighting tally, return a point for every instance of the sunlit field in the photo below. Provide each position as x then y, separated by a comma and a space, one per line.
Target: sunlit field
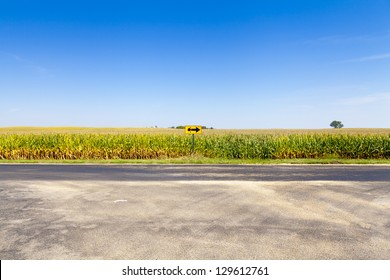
173, 131
68, 143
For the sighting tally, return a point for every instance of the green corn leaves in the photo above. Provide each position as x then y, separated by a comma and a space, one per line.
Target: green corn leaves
155, 146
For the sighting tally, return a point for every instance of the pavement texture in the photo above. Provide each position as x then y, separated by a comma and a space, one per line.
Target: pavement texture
194, 212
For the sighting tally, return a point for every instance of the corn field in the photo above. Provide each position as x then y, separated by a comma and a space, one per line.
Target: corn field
68, 146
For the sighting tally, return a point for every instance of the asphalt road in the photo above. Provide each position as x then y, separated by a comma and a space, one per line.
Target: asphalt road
194, 212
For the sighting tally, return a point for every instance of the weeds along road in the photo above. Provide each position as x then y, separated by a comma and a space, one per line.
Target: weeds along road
194, 212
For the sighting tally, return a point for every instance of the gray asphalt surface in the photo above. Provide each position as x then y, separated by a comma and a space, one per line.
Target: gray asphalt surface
194, 212
195, 172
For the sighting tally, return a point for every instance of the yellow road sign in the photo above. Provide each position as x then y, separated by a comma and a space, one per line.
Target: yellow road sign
193, 129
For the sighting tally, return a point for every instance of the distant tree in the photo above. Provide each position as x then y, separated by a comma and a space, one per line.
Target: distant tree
336, 124
182, 126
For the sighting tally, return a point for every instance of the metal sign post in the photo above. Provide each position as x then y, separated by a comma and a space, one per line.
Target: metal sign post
193, 144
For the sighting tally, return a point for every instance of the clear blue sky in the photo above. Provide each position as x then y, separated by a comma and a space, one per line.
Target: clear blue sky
226, 64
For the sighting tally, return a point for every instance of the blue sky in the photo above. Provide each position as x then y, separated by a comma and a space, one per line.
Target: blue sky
226, 64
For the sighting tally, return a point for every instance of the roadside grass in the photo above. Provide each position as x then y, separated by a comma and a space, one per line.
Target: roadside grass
204, 160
